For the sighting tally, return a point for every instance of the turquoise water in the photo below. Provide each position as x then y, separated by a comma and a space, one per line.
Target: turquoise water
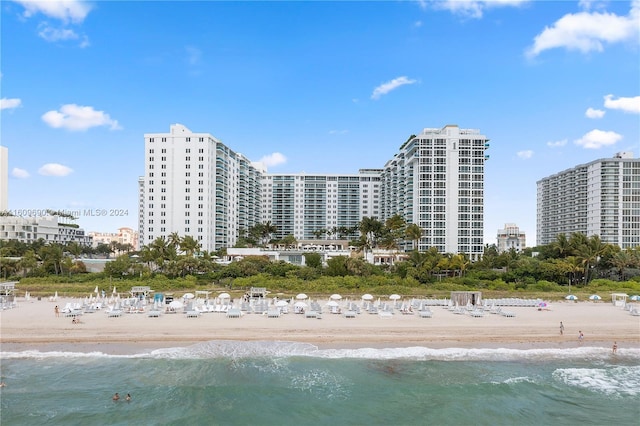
278, 383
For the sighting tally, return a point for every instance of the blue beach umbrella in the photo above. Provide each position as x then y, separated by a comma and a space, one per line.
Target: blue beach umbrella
571, 297
634, 298
594, 297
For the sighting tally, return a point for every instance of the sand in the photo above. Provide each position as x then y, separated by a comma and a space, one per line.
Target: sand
33, 325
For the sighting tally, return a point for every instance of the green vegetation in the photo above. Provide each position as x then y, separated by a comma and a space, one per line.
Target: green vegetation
578, 264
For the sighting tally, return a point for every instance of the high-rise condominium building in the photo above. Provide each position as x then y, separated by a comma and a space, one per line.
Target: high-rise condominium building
598, 198
328, 206
510, 238
437, 181
4, 178
195, 185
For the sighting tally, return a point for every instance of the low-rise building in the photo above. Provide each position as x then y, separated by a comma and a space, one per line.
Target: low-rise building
511, 238
123, 236
47, 228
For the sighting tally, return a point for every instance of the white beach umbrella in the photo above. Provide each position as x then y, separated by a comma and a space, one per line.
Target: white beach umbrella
302, 296
224, 296
571, 297
300, 304
281, 303
176, 304
335, 297
188, 296
96, 290
332, 303
367, 297
55, 296
594, 297
395, 297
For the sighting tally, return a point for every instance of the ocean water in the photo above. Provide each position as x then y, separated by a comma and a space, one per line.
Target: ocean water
280, 383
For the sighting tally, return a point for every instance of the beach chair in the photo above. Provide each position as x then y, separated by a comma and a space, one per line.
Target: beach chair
154, 314
273, 313
234, 313
425, 313
193, 314
311, 314
114, 313
350, 314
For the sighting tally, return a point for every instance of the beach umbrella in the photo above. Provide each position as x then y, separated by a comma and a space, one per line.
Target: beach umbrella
335, 297
394, 297
300, 304
594, 297
367, 297
635, 297
302, 296
55, 296
114, 290
332, 303
571, 297
96, 290
281, 303
188, 296
176, 304
224, 296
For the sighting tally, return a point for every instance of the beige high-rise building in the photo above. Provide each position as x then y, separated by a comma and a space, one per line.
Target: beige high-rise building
511, 238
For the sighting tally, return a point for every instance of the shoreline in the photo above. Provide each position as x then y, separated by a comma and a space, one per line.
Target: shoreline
33, 326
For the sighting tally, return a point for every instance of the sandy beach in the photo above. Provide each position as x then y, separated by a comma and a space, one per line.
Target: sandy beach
33, 325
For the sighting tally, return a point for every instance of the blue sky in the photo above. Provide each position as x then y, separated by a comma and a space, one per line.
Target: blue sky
316, 87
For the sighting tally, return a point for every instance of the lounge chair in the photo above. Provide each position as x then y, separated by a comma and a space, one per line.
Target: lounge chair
350, 314
154, 314
425, 313
311, 314
193, 314
114, 313
273, 313
234, 313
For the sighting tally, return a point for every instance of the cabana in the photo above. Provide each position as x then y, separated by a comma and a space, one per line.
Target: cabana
619, 299
140, 291
462, 298
258, 292
7, 292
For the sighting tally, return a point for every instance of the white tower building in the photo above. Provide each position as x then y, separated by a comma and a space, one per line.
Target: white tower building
437, 181
598, 198
195, 185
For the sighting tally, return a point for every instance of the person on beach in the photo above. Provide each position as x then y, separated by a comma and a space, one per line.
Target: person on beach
561, 328
57, 311
116, 397
615, 347
580, 337
128, 398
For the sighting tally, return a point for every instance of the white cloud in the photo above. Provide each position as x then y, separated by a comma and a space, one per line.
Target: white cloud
77, 117
51, 34
588, 31
596, 139
19, 173
594, 113
556, 144
10, 103
417, 24
54, 169
64, 10
525, 154
473, 8
273, 160
194, 55
631, 105
338, 132
385, 88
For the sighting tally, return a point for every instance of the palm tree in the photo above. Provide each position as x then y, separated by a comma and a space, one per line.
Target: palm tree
413, 233
370, 230
590, 252
174, 240
561, 246
28, 262
189, 245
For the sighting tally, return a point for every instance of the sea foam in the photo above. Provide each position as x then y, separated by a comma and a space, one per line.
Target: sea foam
274, 349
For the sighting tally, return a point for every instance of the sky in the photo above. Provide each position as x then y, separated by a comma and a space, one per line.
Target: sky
310, 86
